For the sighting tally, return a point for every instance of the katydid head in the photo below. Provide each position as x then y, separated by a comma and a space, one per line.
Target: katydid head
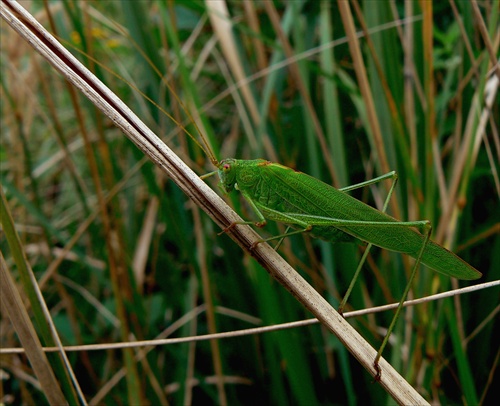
227, 174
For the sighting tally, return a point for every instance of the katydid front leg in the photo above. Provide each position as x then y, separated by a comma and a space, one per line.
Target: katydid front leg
262, 223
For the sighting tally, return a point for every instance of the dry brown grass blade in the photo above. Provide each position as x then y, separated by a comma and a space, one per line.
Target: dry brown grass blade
204, 197
486, 38
18, 313
222, 25
13, 305
146, 235
209, 301
364, 86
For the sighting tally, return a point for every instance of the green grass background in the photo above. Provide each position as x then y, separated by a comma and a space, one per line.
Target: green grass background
60, 158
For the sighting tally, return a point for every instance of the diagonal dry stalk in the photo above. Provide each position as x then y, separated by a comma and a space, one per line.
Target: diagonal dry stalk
45, 44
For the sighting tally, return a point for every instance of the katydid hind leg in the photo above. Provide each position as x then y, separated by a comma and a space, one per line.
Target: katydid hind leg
281, 237
278, 244
391, 175
418, 260
354, 279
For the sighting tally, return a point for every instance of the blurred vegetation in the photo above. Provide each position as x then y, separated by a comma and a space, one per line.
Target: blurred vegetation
144, 263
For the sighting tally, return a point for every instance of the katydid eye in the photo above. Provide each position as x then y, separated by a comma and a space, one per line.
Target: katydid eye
227, 167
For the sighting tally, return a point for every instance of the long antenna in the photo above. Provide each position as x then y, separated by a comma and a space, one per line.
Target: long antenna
207, 149
204, 146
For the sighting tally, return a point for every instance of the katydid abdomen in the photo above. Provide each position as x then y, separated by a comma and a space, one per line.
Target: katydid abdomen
284, 195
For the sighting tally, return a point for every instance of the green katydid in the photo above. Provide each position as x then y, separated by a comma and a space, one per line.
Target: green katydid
278, 193
284, 195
